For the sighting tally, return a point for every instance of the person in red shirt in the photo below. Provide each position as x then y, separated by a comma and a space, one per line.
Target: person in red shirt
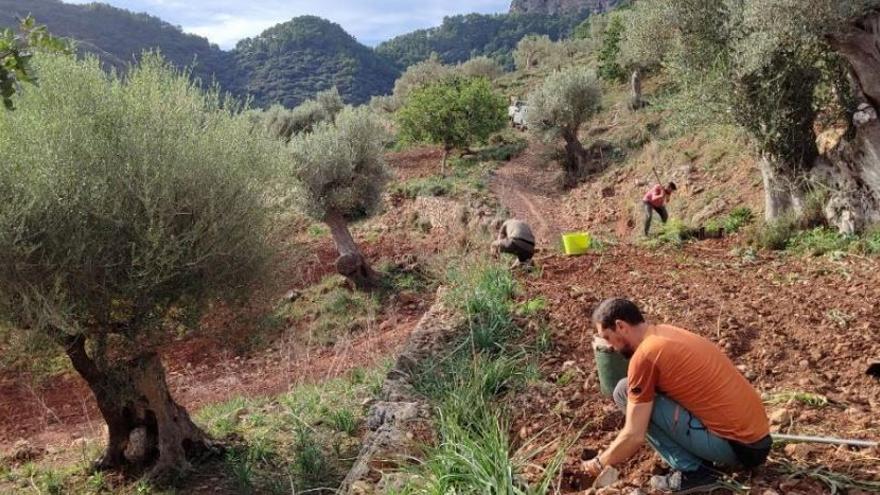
655, 200
685, 397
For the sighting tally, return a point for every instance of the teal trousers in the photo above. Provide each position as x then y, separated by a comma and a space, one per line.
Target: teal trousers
679, 437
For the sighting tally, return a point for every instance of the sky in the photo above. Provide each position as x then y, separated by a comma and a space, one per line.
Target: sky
224, 22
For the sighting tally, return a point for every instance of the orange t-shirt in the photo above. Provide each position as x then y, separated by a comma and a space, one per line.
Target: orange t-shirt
693, 372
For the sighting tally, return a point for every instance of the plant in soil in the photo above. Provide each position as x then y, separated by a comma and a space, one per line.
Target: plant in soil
341, 171
558, 109
116, 230
474, 451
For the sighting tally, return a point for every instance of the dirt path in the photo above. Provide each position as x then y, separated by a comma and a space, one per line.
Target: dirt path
528, 186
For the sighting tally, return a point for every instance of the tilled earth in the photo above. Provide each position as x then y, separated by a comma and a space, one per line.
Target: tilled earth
790, 325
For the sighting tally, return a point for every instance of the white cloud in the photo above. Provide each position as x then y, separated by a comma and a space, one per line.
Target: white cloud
226, 21
225, 30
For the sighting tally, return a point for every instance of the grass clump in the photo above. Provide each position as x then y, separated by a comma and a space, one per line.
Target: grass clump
413, 276
819, 241
502, 148
474, 453
303, 439
732, 223
331, 310
429, 186
485, 298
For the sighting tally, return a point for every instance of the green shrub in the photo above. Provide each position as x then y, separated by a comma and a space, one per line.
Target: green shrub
775, 235
730, 224
819, 241
673, 233
429, 186
871, 242
737, 219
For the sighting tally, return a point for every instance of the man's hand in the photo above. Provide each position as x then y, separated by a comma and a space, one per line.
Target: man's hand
592, 467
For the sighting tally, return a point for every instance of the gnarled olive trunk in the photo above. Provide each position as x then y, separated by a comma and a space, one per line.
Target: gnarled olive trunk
852, 173
783, 188
446, 150
635, 87
852, 170
351, 263
147, 429
575, 157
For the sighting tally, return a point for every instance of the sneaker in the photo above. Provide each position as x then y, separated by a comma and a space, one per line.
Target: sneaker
703, 480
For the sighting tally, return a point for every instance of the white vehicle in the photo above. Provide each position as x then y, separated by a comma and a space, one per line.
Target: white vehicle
511, 111
518, 119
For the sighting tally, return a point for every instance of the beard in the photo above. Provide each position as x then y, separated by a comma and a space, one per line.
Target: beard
627, 352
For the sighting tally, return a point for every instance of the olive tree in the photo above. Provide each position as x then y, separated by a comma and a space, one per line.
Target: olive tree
815, 43
644, 43
286, 123
342, 170
128, 204
559, 107
16, 50
454, 113
481, 67
531, 51
419, 75
779, 59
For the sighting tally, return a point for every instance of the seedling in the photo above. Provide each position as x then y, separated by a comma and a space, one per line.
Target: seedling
808, 398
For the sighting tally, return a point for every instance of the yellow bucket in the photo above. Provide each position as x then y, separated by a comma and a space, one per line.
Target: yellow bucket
576, 243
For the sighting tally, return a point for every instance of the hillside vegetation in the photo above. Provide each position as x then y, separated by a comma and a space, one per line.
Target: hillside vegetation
291, 300
119, 37
290, 62
462, 37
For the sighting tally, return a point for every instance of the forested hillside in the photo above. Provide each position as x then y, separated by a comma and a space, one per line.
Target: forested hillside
462, 37
119, 36
290, 62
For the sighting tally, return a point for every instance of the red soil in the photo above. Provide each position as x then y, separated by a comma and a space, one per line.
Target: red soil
790, 324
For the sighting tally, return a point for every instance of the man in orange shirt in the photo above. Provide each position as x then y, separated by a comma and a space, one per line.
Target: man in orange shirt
685, 397
655, 200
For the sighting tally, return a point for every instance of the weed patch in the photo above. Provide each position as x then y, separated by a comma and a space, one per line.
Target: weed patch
819, 241
330, 310
807, 398
474, 452
732, 223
